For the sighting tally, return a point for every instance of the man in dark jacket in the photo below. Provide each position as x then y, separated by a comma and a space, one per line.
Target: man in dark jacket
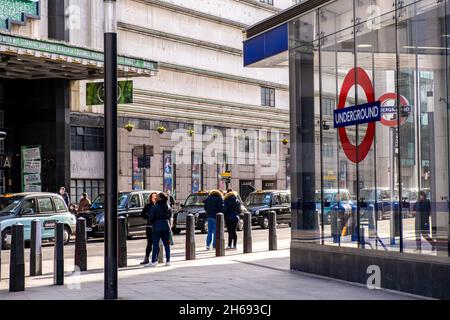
65, 195
423, 211
213, 205
160, 220
231, 211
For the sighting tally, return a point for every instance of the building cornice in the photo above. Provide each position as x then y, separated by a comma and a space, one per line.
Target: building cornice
165, 35
194, 13
220, 75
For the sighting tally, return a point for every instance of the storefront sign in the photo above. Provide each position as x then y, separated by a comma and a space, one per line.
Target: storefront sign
363, 113
31, 169
87, 165
95, 92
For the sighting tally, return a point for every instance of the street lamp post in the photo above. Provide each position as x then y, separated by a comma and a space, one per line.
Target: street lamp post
110, 72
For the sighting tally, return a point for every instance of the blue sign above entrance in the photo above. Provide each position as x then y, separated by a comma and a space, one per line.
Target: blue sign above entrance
359, 114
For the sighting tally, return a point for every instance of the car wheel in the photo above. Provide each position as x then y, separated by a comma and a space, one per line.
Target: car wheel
204, 227
6, 239
66, 235
240, 225
176, 231
264, 222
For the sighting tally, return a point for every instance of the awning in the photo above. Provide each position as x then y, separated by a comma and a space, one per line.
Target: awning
28, 58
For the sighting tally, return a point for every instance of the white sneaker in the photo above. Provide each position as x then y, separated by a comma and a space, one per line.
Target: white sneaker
151, 264
229, 248
208, 248
168, 264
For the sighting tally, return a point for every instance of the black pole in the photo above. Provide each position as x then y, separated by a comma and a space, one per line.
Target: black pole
58, 276
110, 67
122, 242
220, 235
17, 259
36, 248
272, 231
80, 245
190, 237
247, 232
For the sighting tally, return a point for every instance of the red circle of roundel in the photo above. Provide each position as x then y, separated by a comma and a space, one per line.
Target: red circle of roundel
392, 96
357, 153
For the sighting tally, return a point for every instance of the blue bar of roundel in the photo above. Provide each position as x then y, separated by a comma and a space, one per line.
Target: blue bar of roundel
374, 106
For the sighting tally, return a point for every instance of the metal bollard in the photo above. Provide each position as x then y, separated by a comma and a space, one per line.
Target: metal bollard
81, 245
247, 232
36, 248
160, 252
122, 228
17, 259
58, 272
362, 239
220, 235
190, 237
272, 231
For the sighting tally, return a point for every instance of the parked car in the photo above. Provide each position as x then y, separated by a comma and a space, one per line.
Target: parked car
194, 204
333, 199
261, 202
130, 205
383, 205
22, 208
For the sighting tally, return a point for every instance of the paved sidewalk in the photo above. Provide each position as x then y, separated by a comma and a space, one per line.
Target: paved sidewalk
261, 275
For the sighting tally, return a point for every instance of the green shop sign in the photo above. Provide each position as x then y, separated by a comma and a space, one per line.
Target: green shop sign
17, 11
61, 48
95, 92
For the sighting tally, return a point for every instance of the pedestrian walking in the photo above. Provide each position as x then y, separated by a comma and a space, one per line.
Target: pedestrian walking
171, 198
145, 214
160, 217
423, 212
213, 205
231, 211
85, 203
65, 195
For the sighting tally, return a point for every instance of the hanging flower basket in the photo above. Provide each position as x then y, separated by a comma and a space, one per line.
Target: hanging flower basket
263, 139
161, 129
241, 137
215, 135
285, 141
190, 132
129, 127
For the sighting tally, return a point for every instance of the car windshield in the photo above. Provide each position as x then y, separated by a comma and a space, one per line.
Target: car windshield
328, 196
258, 199
195, 200
99, 202
9, 204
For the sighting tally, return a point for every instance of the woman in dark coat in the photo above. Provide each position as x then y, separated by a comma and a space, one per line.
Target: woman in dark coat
231, 211
423, 211
148, 228
160, 217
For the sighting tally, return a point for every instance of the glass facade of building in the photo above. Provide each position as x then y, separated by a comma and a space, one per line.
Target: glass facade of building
378, 185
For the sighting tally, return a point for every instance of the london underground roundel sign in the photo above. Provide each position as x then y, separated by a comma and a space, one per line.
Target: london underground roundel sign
357, 153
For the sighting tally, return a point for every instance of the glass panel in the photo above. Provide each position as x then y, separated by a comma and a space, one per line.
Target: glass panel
45, 205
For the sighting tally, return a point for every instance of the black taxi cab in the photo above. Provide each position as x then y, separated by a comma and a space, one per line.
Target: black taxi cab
261, 202
194, 205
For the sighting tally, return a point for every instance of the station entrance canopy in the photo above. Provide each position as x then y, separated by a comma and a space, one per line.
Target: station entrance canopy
28, 58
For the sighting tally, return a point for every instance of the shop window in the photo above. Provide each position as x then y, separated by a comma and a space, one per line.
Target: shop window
92, 187
267, 97
87, 138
